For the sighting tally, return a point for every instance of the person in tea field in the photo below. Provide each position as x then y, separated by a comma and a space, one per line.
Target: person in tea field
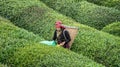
61, 36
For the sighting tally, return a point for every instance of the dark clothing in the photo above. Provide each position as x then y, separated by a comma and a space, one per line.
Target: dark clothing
63, 37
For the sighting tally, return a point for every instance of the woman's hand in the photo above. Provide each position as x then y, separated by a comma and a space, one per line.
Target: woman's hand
62, 43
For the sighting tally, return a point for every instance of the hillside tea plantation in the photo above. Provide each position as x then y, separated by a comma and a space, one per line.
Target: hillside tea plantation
85, 13
24, 23
20, 48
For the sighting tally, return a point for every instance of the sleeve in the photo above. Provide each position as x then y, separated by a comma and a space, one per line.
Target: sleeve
54, 36
68, 38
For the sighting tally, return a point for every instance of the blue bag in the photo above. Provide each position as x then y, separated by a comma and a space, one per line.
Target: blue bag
52, 43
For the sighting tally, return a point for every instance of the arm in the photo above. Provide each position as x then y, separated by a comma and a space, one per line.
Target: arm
68, 38
54, 36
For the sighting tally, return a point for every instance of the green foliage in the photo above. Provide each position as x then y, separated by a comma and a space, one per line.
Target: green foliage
99, 46
11, 8
12, 37
44, 56
20, 48
108, 3
27, 15
2, 65
85, 13
90, 42
113, 28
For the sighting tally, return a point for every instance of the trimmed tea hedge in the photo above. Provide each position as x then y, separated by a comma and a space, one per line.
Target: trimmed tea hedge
44, 56
108, 3
19, 48
94, 44
113, 28
8, 8
85, 13
12, 37
99, 46
2, 65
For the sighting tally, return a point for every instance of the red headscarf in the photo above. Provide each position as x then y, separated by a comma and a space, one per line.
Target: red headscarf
58, 24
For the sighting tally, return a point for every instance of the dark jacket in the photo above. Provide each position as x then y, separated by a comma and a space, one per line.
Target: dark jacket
64, 37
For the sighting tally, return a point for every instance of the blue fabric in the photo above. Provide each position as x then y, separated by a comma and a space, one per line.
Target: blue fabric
52, 43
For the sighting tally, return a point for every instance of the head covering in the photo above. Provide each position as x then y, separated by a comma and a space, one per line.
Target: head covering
58, 24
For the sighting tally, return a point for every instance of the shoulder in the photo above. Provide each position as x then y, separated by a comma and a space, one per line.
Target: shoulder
65, 31
55, 31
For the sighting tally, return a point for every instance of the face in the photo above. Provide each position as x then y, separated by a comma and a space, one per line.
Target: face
58, 29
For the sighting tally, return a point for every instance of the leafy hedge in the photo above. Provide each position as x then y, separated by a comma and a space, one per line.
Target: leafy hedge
11, 8
20, 48
44, 56
99, 46
85, 13
108, 3
90, 42
113, 28
25, 14
12, 37
2, 65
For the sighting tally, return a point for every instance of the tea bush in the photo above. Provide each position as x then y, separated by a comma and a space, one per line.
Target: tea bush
12, 37
19, 48
85, 13
108, 3
99, 46
44, 56
92, 43
113, 28
2, 65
